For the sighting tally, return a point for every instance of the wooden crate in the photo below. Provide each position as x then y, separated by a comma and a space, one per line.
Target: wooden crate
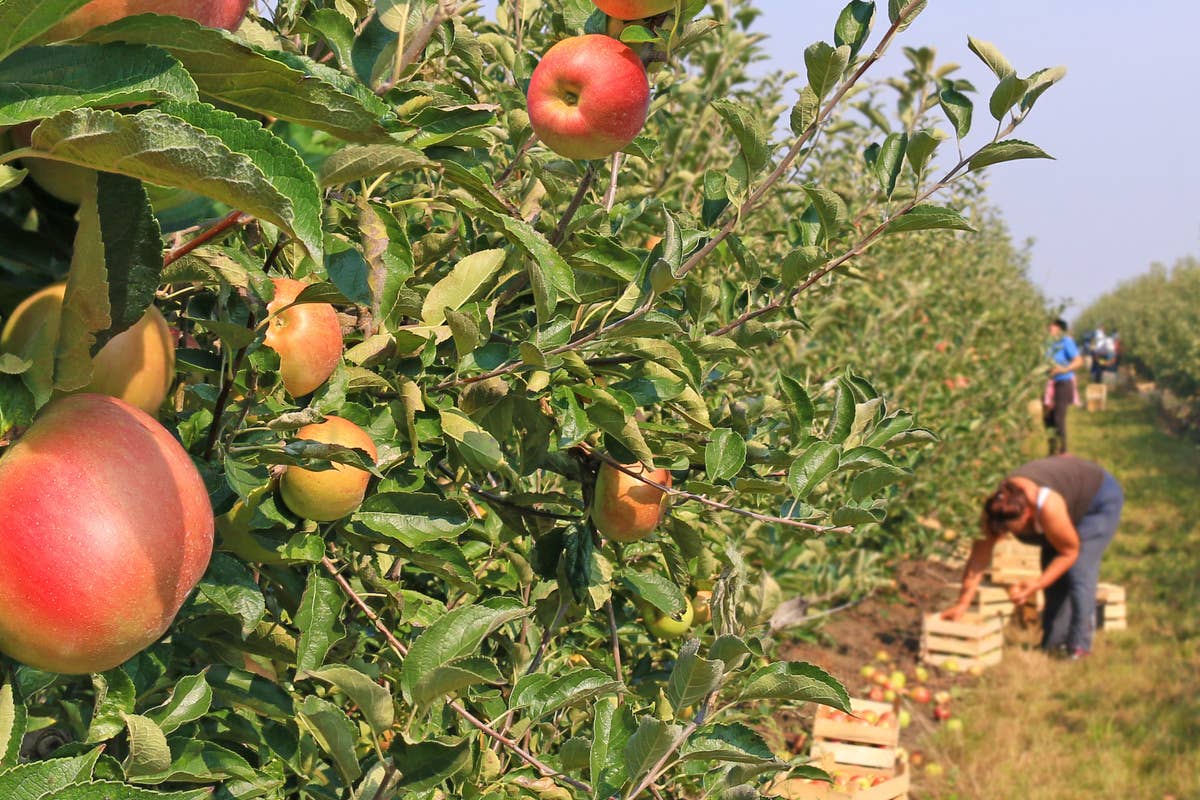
854, 742
1097, 396
1014, 561
1110, 607
992, 601
971, 641
893, 787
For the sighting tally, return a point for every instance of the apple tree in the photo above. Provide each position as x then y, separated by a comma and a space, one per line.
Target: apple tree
409, 594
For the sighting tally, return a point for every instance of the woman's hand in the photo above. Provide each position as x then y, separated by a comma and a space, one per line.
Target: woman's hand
1020, 593
955, 612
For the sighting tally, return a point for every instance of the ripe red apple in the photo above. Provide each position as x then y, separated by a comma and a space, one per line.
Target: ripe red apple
226, 14
137, 365
624, 508
326, 495
308, 338
876, 694
588, 97
920, 694
105, 527
634, 9
941, 713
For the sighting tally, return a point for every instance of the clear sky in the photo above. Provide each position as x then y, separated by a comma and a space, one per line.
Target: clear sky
1124, 125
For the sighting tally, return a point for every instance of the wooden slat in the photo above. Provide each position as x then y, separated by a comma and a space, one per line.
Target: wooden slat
856, 754
965, 662
1110, 593
966, 647
888, 735
970, 626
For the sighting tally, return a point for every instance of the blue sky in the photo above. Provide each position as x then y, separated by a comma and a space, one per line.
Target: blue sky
1124, 126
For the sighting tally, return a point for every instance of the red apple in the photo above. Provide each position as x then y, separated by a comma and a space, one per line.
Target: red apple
226, 14
308, 338
876, 694
105, 527
941, 713
137, 365
634, 9
920, 694
588, 97
626, 509
326, 495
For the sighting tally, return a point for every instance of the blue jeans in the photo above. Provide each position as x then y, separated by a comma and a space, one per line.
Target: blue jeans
1069, 618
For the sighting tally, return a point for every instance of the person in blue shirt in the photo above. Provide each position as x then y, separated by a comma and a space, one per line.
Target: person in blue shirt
1062, 389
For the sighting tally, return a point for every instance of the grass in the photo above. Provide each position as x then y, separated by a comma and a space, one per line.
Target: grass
1125, 722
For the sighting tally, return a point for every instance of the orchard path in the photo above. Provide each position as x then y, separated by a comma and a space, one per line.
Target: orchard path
1124, 723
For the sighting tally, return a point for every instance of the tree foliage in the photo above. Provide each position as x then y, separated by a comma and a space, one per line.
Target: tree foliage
747, 297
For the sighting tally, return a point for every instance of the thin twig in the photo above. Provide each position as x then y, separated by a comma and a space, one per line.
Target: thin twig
512, 165
708, 501
616, 640
402, 651
231, 220
610, 197
499, 500
560, 232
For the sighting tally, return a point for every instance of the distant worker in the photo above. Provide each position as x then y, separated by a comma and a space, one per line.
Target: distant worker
1061, 389
1070, 508
1104, 354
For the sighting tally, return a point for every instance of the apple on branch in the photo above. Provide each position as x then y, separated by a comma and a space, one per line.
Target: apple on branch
626, 509
105, 528
330, 494
634, 9
226, 14
137, 365
308, 338
588, 97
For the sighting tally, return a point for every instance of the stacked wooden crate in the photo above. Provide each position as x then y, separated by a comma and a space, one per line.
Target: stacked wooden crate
1110, 607
1097, 397
992, 601
860, 751
972, 641
1014, 561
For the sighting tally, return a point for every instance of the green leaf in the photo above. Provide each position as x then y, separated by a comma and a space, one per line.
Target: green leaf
830, 208
38, 779
612, 727
360, 162
896, 10
1006, 95
1039, 82
805, 112
990, 54
334, 732
411, 518
872, 481
890, 161
13, 717
454, 677
796, 682
190, 700
928, 217
319, 619
195, 761
693, 678
476, 445
469, 277
958, 108
148, 749
458, 634
653, 740
800, 263
650, 588
921, 146
115, 697
841, 421
196, 147
541, 695
748, 130
724, 455
802, 405
22, 21
1006, 150
733, 743
229, 585
425, 765
373, 700
825, 64
815, 465
286, 86
38, 82
854, 25
111, 790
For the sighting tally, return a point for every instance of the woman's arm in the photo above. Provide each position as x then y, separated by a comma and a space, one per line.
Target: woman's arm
977, 564
1062, 536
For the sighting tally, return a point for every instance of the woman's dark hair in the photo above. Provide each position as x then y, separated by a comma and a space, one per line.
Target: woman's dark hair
1061, 324
1004, 505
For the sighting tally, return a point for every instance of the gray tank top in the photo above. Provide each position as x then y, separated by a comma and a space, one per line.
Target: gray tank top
1077, 480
